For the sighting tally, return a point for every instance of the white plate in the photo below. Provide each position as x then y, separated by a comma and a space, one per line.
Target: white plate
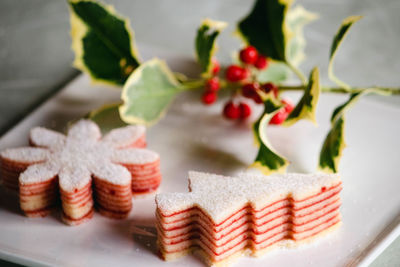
193, 137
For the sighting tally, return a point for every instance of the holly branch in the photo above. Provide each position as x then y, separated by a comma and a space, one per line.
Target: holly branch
273, 49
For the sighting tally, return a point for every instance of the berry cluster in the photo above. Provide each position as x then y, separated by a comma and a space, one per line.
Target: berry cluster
212, 85
250, 59
241, 76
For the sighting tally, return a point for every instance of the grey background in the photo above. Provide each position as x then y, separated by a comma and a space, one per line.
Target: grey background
35, 55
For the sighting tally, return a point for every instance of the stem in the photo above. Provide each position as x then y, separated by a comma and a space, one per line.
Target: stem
341, 90
193, 84
298, 73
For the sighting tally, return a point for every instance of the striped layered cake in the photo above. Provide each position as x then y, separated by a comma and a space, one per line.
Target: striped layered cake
222, 217
80, 171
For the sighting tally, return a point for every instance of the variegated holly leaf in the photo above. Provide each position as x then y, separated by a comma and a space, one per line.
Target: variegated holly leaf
337, 40
297, 18
266, 28
268, 160
276, 30
306, 107
206, 45
107, 117
102, 41
276, 72
148, 92
334, 143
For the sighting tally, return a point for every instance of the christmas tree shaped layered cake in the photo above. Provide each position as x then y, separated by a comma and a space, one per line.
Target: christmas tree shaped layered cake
224, 217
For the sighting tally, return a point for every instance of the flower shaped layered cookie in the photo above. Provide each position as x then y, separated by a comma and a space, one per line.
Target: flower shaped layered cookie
82, 170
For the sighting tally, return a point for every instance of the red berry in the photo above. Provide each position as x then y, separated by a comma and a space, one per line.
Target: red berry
246, 74
257, 98
245, 110
212, 84
279, 117
231, 111
249, 90
261, 62
268, 87
288, 105
216, 66
209, 97
249, 55
235, 73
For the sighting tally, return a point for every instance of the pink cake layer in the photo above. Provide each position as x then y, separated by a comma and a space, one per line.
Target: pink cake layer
40, 198
255, 225
247, 224
280, 224
10, 171
299, 208
246, 241
112, 200
283, 219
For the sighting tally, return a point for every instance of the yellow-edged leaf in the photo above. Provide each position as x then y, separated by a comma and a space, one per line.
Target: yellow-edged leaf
103, 42
148, 92
306, 107
334, 143
266, 28
297, 18
206, 45
267, 159
337, 40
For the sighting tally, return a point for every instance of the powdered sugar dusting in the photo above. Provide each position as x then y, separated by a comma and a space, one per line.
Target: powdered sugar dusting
38, 173
74, 177
134, 156
115, 173
25, 154
43, 137
85, 130
81, 153
122, 137
220, 196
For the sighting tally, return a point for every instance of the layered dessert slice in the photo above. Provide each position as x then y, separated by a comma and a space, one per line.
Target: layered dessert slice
224, 217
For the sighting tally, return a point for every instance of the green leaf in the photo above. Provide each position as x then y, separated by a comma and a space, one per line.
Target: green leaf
148, 92
266, 29
334, 143
337, 40
206, 43
297, 18
102, 41
107, 117
306, 107
268, 160
276, 72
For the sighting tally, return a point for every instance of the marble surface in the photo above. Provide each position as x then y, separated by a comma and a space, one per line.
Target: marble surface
35, 51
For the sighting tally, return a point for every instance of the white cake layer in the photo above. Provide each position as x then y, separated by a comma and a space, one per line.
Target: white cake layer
294, 230
259, 220
75, 202
259, 233
37, 202
195, 231
325, 222
76, 212
242, 241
